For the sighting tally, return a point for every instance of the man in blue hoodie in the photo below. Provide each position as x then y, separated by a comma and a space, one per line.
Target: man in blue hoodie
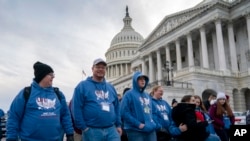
41, 116
95, 107
136, 110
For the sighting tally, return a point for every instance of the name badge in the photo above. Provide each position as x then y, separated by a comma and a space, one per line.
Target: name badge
146, 109
105, 107
165, 116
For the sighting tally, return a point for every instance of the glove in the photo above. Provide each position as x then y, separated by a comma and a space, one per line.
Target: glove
70, 137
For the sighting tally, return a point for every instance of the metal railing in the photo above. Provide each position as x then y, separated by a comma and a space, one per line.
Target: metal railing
172, 83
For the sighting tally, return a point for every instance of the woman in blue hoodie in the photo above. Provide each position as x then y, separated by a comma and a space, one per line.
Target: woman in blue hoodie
136, 110
165, 128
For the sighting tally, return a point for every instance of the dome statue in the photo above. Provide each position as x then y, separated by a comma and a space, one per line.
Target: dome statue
127, 34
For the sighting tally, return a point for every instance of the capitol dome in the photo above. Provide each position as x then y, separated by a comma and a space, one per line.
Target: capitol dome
122, 49
127, 34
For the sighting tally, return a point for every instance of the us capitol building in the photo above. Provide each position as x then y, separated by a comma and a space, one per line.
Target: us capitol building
201, 50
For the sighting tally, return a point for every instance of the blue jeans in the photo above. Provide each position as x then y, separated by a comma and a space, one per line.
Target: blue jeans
101, 134
140, 136
213, 137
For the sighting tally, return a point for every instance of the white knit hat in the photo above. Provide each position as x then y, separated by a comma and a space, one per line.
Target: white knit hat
221, 95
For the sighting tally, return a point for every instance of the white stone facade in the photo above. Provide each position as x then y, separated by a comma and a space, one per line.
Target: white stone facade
209, 50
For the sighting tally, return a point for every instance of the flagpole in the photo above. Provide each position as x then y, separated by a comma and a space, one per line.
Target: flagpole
83, 73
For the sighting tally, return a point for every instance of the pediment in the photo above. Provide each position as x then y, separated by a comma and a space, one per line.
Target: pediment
171, 22
174, 21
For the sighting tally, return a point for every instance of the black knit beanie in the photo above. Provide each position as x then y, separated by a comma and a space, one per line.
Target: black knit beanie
41, 70
125, 90
174, 101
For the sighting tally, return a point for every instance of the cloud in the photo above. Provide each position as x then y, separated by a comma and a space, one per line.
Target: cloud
67, 35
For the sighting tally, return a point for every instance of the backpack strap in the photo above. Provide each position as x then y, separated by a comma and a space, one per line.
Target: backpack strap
26, 94
57, 93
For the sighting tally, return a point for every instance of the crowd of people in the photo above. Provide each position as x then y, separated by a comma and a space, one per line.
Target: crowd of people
2, 120
97, 113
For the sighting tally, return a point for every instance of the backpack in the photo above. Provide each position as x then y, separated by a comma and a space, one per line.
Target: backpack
227, 122
210, 127
27, 90
26, 95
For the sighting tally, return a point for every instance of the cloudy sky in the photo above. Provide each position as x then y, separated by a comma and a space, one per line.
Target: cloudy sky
68, 35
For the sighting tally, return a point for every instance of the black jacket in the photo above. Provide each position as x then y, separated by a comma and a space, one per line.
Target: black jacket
185, 113
207, 104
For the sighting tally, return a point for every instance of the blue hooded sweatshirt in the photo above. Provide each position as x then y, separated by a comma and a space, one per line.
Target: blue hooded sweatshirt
162, 115
95, 104
42, 118
136, 107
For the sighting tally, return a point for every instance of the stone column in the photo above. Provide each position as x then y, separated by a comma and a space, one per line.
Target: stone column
122, 71
159, 67
220, 44
200, 54
248, 32
112, 71
178, 54
116, 70
146, 68
151, 69
215, 50
143, 66
126, 71
233, 56
108, 72
204, 47
190, 50
168, 58
247, 15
